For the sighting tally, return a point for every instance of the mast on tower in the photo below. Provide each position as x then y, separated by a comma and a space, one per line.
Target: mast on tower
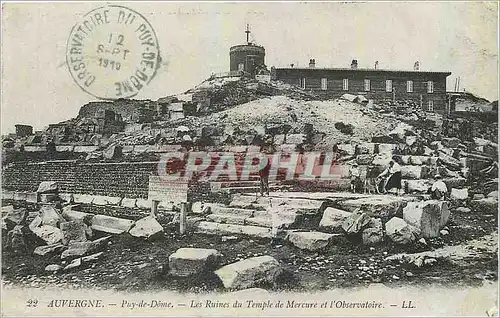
248, 33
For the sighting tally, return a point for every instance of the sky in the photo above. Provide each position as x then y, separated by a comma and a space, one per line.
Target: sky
194, 40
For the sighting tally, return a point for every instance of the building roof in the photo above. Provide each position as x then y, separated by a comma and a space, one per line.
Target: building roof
361, 70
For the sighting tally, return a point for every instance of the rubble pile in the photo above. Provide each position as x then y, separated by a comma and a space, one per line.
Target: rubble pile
61, 230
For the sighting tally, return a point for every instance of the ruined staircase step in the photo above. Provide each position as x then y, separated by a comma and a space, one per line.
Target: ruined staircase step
227, 218
263, 221
377, 205
214, 228
231, 211
247, 201
255, 189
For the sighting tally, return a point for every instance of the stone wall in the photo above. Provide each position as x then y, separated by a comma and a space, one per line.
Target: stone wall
129, 179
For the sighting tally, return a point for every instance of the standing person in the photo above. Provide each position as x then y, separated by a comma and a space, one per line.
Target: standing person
264, 174
393, 176
355, 176
438, 190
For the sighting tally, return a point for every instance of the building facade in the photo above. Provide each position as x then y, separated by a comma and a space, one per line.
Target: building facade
427, 89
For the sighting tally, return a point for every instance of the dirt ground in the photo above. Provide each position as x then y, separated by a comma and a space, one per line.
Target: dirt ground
132, 264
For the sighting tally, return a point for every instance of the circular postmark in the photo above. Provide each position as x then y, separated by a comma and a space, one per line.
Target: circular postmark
112, 52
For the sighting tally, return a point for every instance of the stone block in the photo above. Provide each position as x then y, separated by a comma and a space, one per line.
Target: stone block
332, 220
128, 203
50, 215
250, 272
105, 200
67, 197
232, 229
49, 234
48, 187
376, 205
192, 261
401, 232
311, 241
111, 224
83, 198
143, 203
374, 233
32, 197
146, 228
459, 194
47, 197
355, 222
428, 216
49, 249
73, 231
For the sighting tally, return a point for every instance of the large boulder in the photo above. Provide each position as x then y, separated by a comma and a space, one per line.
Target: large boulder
146, 227
110, 224
428, 216
459, 194
73, 231
49, 249
355, 222
250, 272
311, 241
15, 217
485, 206
47, 187
332, 220
48, 233
401, 232
374, 232
192, 261
50, 216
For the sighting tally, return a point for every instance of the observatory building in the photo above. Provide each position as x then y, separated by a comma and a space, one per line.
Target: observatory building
249, 57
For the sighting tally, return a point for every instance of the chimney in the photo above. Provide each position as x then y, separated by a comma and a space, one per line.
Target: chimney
416, 66
312, 63
354, 64
376, 64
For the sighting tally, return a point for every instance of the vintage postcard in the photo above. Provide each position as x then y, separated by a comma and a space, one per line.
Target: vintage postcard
219, 159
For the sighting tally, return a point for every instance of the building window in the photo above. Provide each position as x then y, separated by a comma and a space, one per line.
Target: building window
430, 106
388, 85
367, 85
409, 86
241, 67
430, 87
345, 84
303, 83
324, 84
